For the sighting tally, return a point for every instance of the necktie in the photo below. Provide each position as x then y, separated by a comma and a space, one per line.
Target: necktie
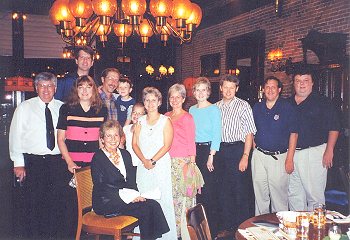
50, 136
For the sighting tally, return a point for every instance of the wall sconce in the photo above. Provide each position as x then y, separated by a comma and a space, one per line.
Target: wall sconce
162, 70
233, 71
275, 56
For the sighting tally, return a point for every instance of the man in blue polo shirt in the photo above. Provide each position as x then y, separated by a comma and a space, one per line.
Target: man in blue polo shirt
272, 160
319, 127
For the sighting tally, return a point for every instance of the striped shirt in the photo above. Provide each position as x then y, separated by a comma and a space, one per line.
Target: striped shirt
237, 120
82, 130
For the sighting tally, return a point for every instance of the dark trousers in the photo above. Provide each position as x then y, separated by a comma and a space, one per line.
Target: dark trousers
71, 204
43, 190
209, 194
152, 222
234, 195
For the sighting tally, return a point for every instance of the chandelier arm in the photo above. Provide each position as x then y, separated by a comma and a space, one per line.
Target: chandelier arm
94, 32
151, 23
91, 25
66, 40
175, 33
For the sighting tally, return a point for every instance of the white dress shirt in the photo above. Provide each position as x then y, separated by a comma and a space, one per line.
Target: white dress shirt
28, 130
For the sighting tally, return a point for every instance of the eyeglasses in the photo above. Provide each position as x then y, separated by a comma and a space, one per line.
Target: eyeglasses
113, 79
41, 85
138, 113
109, 136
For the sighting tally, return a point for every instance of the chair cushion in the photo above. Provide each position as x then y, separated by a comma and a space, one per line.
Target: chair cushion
119, 222
336, 197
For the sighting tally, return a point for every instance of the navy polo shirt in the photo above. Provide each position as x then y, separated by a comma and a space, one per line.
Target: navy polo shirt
316, 116
274, 125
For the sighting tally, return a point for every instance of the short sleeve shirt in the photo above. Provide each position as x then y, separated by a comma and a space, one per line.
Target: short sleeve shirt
274, 125
82, 130
316, 117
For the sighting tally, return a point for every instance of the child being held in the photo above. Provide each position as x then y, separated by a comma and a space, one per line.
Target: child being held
138, 110
124, 101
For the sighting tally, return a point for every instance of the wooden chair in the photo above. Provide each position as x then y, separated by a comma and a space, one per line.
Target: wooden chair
90, 222
197, 223
345, 176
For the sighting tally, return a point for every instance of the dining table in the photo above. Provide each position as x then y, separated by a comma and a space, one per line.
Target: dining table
314, 232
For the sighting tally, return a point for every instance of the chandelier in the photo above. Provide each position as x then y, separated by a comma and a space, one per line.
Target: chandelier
80, 22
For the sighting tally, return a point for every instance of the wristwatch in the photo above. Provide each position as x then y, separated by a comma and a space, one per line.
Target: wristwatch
153, 162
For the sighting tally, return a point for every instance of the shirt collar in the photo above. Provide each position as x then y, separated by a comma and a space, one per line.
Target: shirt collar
104, 96
42, 104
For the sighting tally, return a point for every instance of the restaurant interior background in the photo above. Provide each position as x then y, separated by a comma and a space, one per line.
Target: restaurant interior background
254, 39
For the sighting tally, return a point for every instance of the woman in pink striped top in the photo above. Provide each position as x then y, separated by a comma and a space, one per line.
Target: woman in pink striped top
182, 152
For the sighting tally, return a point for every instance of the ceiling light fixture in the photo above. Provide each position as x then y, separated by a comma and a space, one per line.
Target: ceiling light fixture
79, 22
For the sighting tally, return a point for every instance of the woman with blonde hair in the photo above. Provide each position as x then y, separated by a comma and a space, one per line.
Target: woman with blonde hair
115, 191
207, 119
151, 142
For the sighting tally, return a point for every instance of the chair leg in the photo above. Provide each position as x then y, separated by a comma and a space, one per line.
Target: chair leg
118, 235
77, 236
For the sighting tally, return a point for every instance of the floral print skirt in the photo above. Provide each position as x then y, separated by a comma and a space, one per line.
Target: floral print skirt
181, 202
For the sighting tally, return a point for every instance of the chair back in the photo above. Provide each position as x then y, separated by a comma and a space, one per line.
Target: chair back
345, 176
83, 181
197, 223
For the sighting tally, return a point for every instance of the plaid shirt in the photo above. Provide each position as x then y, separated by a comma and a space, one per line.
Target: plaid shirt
110, 104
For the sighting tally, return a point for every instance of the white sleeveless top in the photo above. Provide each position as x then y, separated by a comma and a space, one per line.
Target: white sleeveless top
151, 139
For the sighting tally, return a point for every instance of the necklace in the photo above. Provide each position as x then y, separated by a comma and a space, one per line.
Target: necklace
151, 124
113, 156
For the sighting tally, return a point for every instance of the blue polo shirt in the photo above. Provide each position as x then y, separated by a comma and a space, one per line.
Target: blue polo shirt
317, 116
274, 125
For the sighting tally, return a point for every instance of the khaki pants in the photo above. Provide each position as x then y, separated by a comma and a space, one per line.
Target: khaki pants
308, 181
270, 181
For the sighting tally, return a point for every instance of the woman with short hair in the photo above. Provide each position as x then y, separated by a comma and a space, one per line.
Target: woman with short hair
183, 154
114, 178
151, 142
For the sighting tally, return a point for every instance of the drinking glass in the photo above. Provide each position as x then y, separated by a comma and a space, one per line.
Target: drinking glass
334, 232
303, 222
319, 215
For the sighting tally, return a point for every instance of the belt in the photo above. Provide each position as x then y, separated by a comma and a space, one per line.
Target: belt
302, 148
42, 156
203, 143
225, 144
272, 154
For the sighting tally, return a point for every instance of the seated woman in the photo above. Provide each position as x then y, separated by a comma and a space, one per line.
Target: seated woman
112, 173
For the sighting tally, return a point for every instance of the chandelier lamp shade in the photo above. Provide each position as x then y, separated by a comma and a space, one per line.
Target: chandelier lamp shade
162, 70
79, 22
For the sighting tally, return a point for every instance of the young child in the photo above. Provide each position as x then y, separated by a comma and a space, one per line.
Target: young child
138, 110
124, 101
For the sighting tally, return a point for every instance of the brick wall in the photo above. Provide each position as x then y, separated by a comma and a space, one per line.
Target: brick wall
298, 17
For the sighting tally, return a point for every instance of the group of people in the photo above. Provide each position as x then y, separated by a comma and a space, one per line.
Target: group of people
154, 157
